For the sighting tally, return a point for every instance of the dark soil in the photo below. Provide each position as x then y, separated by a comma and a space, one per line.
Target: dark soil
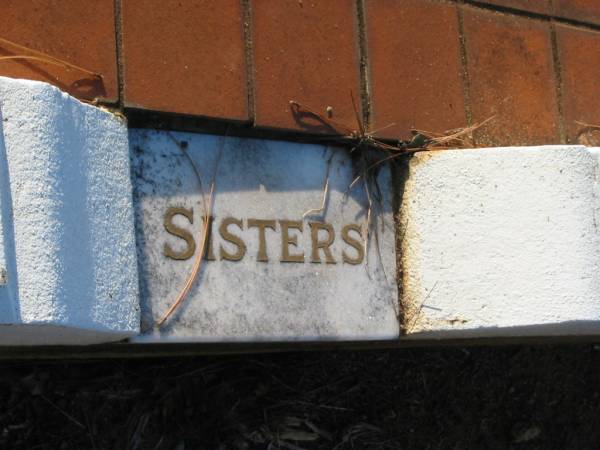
523, 397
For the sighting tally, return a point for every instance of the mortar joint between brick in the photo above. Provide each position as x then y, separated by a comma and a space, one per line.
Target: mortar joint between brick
506, 9
249, 59
562, 129
119, 55
363, 61
529, 14
464, 73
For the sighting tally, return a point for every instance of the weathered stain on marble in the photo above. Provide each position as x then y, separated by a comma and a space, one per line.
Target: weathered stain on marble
248, 299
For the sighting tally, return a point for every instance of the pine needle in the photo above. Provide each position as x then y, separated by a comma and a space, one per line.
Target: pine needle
588, 125
208, 206
324, 200
452, 139
43, 57
197, 262
325, 191
588, 134
411, 321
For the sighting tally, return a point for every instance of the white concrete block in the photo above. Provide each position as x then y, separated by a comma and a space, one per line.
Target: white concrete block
502, 242
67, 240
496, 242
249, 299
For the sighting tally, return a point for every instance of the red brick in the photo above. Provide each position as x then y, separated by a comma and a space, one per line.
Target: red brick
581, 10
69, 30
535, 6
185, 57
305, 51
511, 74
415, 64
579, 52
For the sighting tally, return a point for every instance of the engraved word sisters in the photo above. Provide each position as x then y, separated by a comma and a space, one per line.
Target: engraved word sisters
322, 237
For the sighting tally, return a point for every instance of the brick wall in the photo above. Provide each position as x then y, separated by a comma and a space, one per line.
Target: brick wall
426, 64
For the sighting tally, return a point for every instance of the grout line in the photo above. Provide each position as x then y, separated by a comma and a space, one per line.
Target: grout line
504, 9
363, 60
464, 73
119, 54
215, 125
531, 15
558, 82
247, 33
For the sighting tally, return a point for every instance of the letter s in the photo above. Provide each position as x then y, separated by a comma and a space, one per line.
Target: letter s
232, 238
179, 232
353, 242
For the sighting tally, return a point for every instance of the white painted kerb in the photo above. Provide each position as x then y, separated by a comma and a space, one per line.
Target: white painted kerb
67, 235
496, 242
502, 242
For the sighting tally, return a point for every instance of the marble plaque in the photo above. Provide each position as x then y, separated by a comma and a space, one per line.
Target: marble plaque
271, 274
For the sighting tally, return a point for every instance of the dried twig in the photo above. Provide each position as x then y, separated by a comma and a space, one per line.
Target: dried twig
589, 134
449, 140
588, 125
368, 220
197, 262
325, 191
208, 206
43, 57
194, 167
457, 138
412, 321
63, 412
369, 153
322, 207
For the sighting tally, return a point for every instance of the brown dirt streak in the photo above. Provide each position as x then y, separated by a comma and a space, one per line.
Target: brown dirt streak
399, 171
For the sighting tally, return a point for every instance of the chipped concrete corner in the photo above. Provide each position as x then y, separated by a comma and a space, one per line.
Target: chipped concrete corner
67, 243
501, 242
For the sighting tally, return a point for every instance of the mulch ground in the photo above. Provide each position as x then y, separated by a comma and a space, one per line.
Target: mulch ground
523, 397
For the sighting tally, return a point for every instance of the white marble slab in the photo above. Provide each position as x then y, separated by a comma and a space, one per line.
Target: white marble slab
249, 299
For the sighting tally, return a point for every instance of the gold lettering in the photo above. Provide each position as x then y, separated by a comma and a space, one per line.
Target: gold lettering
179, 232
235, 240
262, 225
287, 240
356, 244
322, 239
208, 252
324, 245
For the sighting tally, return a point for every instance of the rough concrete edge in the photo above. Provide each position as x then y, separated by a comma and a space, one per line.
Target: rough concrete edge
410, 311
54, 331
556, 329
128, 350
46, 334
8, 309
